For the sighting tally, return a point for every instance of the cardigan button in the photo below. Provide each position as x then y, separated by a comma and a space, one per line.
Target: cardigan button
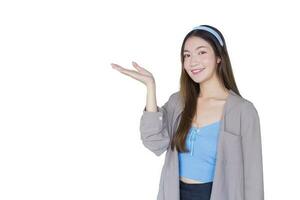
160, 118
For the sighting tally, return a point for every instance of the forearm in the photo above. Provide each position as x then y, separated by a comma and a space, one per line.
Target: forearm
151, 103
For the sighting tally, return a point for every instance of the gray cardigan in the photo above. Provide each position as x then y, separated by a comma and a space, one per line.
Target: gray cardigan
239, 167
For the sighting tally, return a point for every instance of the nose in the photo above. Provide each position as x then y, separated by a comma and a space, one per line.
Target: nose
194, 61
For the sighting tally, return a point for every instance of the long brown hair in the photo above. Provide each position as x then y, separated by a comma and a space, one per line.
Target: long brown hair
189, 90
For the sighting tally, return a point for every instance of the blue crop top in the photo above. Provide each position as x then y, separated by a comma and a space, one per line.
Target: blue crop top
199, 163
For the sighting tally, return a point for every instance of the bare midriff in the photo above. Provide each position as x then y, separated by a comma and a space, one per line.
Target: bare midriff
187, 180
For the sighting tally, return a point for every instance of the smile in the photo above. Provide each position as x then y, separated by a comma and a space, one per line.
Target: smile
197, 71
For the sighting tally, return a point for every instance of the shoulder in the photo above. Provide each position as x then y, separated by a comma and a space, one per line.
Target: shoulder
245, 113
241, 104
175, 95
175, 98
249, 107
237, 103
248, 110
173, 102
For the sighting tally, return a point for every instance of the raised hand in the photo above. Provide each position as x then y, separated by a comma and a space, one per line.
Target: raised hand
141, 74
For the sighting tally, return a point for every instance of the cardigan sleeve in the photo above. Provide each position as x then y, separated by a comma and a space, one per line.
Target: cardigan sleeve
252, 153
154, 127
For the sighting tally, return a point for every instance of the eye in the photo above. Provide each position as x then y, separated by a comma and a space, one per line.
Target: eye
185, 55
202, 52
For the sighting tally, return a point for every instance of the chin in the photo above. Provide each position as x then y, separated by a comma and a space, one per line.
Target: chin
199, 79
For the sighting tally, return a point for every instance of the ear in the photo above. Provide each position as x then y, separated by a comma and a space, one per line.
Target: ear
218, 60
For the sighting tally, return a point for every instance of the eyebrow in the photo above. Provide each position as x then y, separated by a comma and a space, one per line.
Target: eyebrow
195, 49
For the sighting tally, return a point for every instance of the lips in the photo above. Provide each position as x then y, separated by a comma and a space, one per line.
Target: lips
196, 71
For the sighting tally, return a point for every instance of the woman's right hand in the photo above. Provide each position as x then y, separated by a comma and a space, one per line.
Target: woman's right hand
141, 74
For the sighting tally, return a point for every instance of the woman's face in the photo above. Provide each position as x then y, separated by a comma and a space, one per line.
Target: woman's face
200, 62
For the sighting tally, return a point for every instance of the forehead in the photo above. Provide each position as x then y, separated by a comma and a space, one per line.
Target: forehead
194, 43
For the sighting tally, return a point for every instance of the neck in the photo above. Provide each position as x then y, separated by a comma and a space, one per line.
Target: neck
212, 88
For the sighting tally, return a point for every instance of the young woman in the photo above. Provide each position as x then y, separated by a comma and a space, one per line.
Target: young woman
210, 132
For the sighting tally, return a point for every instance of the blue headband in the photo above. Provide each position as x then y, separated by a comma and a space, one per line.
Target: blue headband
201, 27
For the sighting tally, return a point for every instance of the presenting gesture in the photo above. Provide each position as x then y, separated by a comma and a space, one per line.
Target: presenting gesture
145, 77
141, 74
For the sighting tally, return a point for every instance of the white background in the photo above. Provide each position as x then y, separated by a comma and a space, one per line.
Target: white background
69, 123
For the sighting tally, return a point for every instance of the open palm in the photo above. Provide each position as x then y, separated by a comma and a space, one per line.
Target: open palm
141, 74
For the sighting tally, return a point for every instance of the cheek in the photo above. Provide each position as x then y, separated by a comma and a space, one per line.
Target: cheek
186, 69
209, 61
185, 65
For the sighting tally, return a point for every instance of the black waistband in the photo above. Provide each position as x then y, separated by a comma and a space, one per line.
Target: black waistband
195, 185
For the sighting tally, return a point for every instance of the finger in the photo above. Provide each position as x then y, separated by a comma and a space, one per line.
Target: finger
129, 72
117, 67
138, 67
124, 71
132, 74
